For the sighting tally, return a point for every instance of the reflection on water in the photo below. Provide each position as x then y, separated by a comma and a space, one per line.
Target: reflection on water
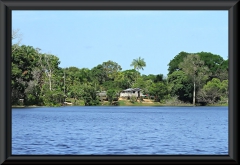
120, 130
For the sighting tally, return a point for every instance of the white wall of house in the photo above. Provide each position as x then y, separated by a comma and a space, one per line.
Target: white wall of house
130, 93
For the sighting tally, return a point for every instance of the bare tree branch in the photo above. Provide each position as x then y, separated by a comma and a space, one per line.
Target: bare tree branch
18, 37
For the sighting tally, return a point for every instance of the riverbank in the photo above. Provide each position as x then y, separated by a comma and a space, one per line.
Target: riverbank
122, 102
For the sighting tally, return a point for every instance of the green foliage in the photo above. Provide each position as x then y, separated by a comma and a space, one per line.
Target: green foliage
90, 96
116, 103
105, 72
213, 92
138, 63
195, 69
53, 98
140, 83
98, 74
218, 67
33, 94
153, 78
133, 99
180, 85
174, 101
159, 90
130, 77
38, 80
111, 69
110, 85
174, 63
24, 58
214, 62
111, 95
76, 102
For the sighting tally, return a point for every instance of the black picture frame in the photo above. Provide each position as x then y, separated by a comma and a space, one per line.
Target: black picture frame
6, 6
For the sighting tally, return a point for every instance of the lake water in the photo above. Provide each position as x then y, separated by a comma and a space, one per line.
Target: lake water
120, 130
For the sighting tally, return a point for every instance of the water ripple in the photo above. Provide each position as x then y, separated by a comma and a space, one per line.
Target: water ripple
120, 131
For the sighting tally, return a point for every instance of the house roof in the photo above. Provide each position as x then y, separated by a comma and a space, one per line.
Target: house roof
132, 89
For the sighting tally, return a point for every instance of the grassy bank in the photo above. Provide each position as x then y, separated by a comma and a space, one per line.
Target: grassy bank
145, 102
26, 106
138, 103
124, 102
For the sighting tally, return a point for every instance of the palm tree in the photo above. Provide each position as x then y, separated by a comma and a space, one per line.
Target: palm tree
138, 64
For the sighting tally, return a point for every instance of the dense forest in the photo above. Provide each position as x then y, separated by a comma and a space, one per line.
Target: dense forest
199, 78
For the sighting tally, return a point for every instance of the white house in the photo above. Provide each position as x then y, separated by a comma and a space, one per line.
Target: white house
131, 92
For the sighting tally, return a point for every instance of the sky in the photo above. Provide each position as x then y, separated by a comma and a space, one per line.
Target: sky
85, 38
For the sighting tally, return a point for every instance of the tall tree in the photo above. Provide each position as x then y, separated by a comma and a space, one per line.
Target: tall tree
49, 64
111, 69
23, 61
218, 67
107, 71
138, 64
196, 70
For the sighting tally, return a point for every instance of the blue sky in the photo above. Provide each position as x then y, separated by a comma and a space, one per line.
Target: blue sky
88, 38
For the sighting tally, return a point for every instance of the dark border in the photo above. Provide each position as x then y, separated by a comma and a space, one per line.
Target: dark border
5, 71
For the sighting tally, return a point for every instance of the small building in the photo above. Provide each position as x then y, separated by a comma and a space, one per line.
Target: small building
102, 95
137, 92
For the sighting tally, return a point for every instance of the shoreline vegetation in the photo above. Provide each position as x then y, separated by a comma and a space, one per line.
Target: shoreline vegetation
123, 102
193, 79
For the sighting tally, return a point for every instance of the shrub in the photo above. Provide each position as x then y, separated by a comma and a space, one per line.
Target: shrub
133, 99
116, 103
173, 101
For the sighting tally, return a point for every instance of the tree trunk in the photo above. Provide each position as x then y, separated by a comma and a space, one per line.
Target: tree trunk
50, 83
137, 76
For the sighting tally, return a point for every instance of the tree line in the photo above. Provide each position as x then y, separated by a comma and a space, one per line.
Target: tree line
195, 78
